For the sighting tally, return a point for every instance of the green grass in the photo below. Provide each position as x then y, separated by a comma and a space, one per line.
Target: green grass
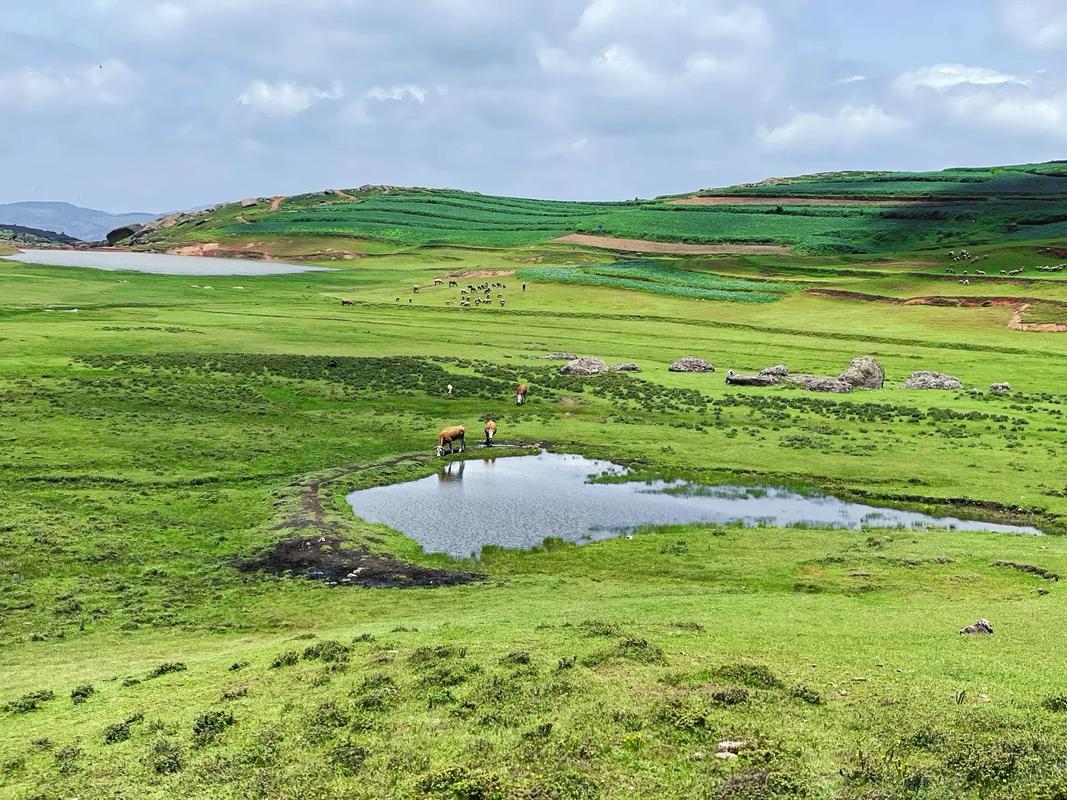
165, 433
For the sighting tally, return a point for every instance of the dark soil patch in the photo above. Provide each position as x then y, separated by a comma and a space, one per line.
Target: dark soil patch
325, 559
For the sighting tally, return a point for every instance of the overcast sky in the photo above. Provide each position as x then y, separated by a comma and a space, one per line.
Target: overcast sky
155, 105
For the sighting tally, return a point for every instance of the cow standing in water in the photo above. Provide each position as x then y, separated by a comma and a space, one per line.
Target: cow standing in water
490, 432
520, 394
451, 436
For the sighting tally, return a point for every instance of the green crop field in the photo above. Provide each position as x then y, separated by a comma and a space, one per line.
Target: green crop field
958, 207
176, 452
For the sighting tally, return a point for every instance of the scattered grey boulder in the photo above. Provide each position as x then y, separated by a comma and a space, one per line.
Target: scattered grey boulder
248, 202
1000, 388
733, 379
777, 371
820, 383
981, 627
925, 379
626, 366
560, 356
584, 366
691, 364
864, 372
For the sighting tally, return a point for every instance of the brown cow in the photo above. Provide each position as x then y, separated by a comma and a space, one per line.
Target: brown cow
520, 394
490, 432
450, 435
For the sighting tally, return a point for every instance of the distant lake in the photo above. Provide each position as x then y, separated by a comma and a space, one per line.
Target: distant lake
158, 263
519, 501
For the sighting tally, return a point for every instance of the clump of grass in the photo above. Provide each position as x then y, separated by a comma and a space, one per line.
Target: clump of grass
327, 650
210, 724
80, 694
1056, 702
166, 668
120, 731
165, 757
516, 657
426, 654
349, 757
235, 693
807, 694
596, 627
638, 651
286, 659
754, 676
67, 759
729, 695
30, 701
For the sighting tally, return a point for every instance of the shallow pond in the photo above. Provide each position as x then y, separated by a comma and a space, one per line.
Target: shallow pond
521, 500
158, 263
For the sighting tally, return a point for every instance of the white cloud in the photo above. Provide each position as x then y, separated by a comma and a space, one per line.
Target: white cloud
400, 92
702, 19
943, 77
849, 126
1017, 114
1039, 23
705, 65
285, 98
852, 79
110, 82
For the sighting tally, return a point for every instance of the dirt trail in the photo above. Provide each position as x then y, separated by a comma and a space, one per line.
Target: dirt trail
483, 273
341, 193
785, 200
1020, 305
276, 202
646, 246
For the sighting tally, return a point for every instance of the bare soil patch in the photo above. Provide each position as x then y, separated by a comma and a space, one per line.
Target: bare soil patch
646, 246
785, 200
1020, 305
276, 202
483, 273
325, 558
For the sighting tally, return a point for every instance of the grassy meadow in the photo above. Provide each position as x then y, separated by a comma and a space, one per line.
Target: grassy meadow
165, 439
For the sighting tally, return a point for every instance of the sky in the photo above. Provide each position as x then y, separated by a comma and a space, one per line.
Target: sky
161, 105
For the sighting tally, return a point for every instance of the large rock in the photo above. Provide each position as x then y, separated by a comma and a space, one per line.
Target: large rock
777, 371
691, 364
864, 372
248, 202
924, 379
626, 366
733, 379
584, 366
821, 383
1000, 388
981, 627
123, 232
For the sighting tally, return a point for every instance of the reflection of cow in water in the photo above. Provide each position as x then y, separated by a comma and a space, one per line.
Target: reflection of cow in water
450, 436
490, 432
520, 394
452, 472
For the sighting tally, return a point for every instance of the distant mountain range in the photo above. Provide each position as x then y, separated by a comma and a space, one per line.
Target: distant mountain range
87, 224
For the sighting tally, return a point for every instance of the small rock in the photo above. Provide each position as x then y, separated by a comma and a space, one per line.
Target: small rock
731, 746
925, 379
626, 366
691, 364
982, 626
725, 755
1000, 388
864, 372
821, 383
560, 356
777, 371
584, 366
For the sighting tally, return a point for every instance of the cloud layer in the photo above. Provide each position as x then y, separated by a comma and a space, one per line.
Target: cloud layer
164, 104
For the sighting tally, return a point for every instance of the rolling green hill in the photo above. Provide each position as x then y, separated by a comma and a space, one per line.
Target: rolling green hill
847, 212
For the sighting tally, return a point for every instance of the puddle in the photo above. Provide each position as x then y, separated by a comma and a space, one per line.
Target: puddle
158, 263
519, 501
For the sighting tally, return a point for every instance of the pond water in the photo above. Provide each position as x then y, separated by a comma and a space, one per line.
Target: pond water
519, 501
158, 263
